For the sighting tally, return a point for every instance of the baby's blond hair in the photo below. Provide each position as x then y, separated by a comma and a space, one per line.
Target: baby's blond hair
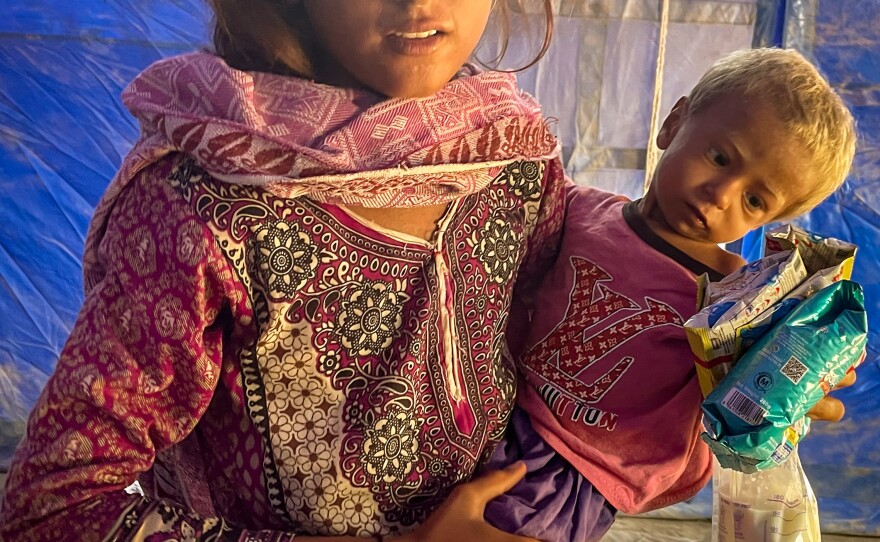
810, 109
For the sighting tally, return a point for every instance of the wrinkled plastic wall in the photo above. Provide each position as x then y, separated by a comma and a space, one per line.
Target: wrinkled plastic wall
63, 133
843, 460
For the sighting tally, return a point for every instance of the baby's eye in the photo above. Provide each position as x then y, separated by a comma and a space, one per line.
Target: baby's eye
718, 157
754, 202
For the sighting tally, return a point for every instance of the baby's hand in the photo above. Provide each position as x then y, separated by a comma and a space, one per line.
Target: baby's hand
828, 408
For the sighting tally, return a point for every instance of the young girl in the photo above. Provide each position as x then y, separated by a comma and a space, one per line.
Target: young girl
297, 288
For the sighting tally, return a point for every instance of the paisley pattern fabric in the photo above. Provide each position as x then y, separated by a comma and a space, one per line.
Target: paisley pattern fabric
263, 362
273, 362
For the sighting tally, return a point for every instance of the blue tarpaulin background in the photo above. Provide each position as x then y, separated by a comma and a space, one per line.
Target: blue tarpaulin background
843, 460
63, 133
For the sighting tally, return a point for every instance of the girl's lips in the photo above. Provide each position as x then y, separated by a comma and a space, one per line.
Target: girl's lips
419, 25
416, 34
412, 44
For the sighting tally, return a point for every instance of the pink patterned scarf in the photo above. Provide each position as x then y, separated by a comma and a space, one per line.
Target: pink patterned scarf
296, 137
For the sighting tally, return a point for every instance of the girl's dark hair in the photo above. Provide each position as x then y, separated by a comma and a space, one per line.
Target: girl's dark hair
264, 35
274, 35
504, 8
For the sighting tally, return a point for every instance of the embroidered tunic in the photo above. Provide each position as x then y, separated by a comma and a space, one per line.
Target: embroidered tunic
265, 362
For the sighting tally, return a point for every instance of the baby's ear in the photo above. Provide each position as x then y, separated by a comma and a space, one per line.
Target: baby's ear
672, 123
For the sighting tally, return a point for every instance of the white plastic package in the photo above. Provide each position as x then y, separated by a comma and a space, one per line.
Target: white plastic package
775, 505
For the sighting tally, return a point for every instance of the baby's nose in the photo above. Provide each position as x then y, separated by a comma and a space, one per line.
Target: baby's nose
721, 192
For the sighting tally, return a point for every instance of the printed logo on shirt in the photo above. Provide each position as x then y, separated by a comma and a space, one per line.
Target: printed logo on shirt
589, 415
598, 320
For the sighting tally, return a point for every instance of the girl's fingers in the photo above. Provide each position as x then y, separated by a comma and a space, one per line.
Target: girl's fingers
495, 483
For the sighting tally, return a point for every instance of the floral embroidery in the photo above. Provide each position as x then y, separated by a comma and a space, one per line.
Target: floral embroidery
330, 521
370, 317
283, 427
329, 361
287, 353
525, 178
186, 173
354, 413
359, 509
437, 467
391, 446
353, 445
287, 257
320, 490
316, 456
305, 394
498, 250
309, 424
297, 498
505, 377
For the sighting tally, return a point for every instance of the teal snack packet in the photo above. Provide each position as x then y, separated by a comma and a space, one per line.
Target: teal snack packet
755, 416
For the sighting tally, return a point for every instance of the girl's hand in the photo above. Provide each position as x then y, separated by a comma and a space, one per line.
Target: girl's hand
828, 408
460, 517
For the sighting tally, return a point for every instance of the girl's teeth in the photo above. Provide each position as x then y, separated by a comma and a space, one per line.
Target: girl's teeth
416, 35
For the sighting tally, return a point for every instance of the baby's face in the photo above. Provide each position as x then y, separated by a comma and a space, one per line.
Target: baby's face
728, 169
399, 49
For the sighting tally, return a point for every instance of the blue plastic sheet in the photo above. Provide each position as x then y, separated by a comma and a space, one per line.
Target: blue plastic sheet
843, 460
63, 133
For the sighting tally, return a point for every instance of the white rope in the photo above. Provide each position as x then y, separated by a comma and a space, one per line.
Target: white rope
653, 154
